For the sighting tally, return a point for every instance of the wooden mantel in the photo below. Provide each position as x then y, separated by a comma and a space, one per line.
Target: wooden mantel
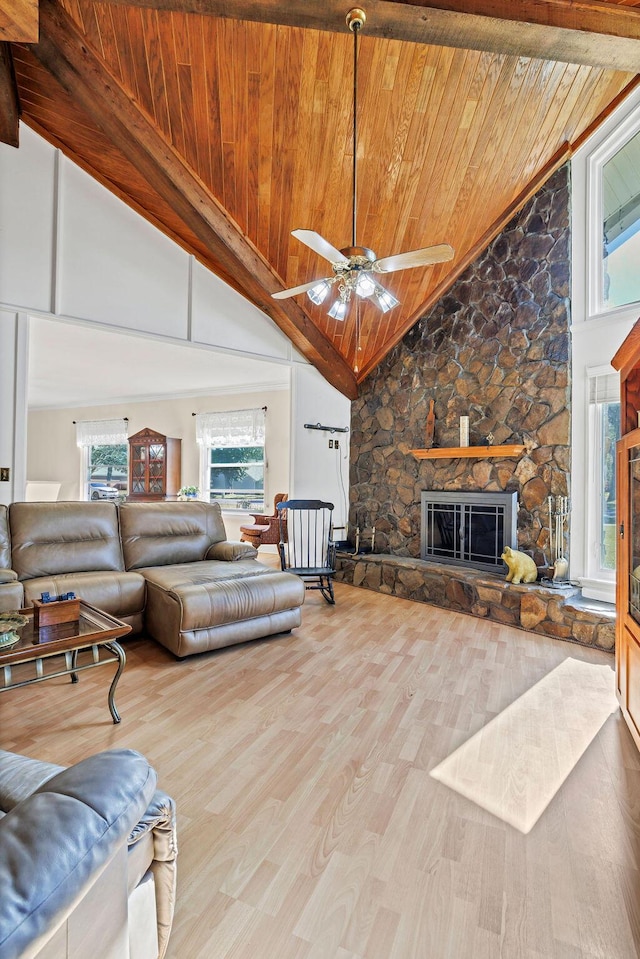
468, 452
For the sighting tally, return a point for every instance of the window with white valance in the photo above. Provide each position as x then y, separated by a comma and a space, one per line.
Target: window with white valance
101, 432
232, 447
105, 456
232, 428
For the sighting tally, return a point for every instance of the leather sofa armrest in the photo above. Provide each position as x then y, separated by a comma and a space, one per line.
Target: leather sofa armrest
54, 843
8, 575
160, 819
229, 552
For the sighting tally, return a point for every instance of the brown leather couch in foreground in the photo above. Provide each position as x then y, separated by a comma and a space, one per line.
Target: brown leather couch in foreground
164, 567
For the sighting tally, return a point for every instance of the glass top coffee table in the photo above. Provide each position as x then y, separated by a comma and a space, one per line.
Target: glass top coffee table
39, 654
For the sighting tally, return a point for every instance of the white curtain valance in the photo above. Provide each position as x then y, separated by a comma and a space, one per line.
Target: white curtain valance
232, 428
101, 432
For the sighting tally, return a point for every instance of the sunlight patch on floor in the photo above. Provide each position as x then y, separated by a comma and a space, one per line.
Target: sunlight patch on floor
514, 766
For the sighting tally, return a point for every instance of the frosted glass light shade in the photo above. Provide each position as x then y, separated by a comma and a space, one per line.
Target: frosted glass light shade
365, 285
318, 293
385, 300
339, 310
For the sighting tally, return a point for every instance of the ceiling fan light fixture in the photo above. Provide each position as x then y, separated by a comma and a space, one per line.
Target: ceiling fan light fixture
365, 286
318, 293
385, 300
339, 309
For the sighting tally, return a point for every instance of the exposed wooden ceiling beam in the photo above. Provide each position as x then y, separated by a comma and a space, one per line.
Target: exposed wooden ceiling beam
19, 20
64, 52
589, 32
9, 102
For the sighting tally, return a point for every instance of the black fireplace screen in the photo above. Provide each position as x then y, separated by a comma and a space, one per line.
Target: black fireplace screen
468, 529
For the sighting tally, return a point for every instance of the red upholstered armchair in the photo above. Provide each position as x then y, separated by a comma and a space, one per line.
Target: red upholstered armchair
264, 530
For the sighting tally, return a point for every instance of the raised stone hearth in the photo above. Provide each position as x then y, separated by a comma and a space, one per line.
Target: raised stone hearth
558, 612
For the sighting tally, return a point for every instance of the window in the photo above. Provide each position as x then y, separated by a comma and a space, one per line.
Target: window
604, 429
105, 451
621, 226
233, 446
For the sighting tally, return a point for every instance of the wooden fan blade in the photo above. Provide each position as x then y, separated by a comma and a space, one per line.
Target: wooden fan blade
283, 294
320, 246
424, 257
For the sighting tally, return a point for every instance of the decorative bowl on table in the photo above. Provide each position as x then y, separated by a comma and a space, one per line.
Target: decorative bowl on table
9, 623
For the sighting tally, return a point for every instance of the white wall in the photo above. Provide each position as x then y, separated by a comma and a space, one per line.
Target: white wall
71, 250
319, 472
595, 337
14, 342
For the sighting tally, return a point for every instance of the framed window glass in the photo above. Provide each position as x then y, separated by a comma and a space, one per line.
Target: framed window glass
604, 432
107, 471
236, 477
621, 226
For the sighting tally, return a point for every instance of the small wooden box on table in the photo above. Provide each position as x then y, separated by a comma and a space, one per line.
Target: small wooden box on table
54, 613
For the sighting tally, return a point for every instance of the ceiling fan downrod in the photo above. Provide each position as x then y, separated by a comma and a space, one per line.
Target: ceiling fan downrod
356, 19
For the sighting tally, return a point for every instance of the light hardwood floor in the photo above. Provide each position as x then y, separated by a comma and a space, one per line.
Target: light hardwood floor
309, 824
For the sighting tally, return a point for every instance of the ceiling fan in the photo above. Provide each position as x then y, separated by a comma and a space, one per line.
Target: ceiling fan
355, 268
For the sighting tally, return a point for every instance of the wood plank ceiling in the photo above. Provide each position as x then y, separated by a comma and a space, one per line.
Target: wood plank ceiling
255, 120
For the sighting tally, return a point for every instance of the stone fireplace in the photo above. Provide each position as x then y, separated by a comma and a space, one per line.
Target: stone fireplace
494, 348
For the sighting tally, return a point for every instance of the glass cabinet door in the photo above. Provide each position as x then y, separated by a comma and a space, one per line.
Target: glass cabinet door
634, 532
138, 461
156, 468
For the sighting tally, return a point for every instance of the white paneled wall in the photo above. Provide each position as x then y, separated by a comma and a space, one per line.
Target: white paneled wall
223, 317
114, 267
27, 225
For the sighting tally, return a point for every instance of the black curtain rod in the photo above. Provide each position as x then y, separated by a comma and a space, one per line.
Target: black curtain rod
329, 429
249, 409
125, 418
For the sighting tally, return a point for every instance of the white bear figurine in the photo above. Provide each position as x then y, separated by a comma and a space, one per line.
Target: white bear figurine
522, 569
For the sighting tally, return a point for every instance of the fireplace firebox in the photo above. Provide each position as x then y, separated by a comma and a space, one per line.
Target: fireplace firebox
468, 529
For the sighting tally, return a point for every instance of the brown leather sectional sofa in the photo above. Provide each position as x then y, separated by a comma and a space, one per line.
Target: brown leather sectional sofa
166, 568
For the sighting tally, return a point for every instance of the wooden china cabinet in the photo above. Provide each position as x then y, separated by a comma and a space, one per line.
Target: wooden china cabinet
154, 466
627, 361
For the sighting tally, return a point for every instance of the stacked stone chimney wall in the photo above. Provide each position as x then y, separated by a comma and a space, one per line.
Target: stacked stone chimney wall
495, 348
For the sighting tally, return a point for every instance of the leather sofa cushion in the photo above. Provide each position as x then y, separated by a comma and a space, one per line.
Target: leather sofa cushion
5, 551
53, 538
161, 534
119, 594
213, 593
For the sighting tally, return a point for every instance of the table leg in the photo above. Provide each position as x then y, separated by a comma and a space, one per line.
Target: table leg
116, 648
74, 663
